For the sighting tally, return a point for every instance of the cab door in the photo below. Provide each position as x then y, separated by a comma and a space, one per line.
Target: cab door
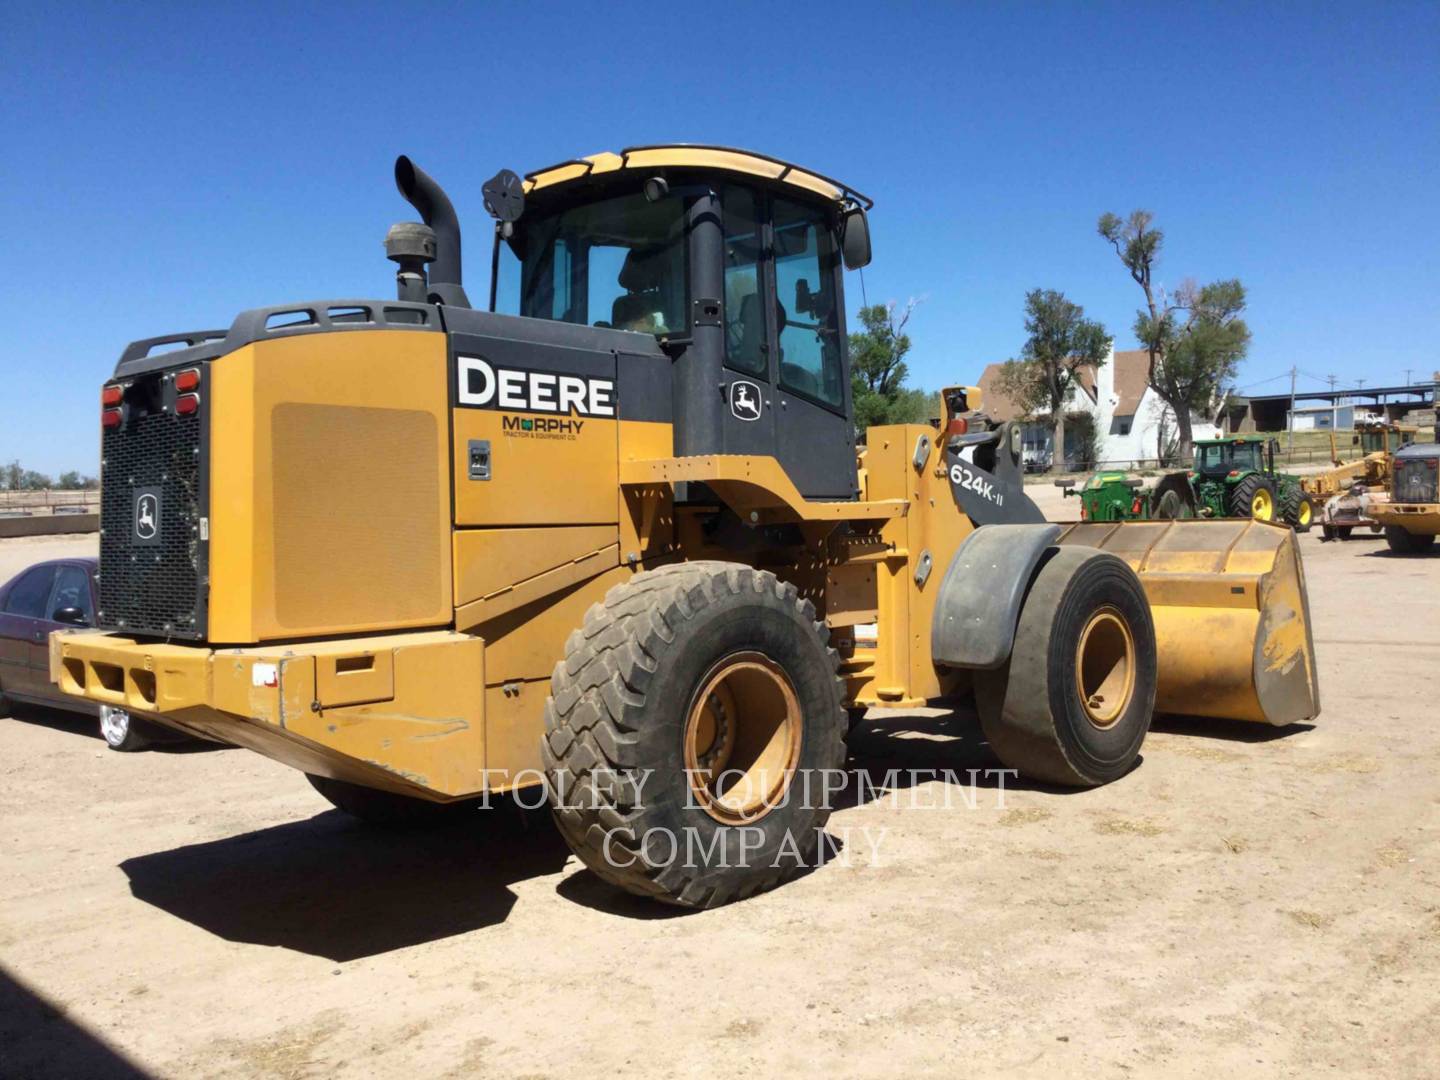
815, 438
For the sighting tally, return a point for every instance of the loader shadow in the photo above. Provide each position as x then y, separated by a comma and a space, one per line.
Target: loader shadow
39, 1038
895, 750
1204, 727
333, 887
891, 751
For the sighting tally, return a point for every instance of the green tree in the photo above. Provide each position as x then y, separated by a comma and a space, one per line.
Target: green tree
70, 481
878, 370
11, 476
1061, 341
31, 480
1195, 339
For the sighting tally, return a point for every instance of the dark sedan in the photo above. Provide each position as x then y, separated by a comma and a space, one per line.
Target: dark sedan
56, 595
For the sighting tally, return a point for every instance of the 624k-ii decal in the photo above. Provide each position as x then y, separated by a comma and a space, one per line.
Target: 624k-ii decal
483, 385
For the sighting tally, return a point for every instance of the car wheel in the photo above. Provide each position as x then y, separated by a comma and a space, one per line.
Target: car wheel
119, 731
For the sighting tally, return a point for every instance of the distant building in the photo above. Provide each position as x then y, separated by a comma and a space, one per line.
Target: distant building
1127, 413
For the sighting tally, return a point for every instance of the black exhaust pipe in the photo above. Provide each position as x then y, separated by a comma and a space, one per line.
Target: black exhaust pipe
426, 196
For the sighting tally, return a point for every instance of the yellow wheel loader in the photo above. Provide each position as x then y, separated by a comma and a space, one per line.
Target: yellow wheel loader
612, 534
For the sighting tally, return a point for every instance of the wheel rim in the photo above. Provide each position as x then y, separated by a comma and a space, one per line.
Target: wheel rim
114, 724
1105, 667
1262, 507
1304, 513
742, 738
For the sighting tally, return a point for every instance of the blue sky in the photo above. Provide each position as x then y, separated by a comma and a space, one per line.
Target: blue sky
168, 166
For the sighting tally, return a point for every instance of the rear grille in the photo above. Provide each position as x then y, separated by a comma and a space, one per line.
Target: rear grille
152, 585
1416, 481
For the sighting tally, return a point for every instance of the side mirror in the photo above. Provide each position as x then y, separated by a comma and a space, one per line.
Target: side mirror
1134, 483
1064, 483
855, 238
73, 616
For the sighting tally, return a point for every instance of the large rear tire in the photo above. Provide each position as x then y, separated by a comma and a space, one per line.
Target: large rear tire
379, 807
1253, 497
1073, 703
691, 731
1407, 543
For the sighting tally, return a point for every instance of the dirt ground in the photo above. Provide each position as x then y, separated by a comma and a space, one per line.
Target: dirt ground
1247, 902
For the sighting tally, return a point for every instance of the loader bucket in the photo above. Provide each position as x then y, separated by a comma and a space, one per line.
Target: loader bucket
1232, 620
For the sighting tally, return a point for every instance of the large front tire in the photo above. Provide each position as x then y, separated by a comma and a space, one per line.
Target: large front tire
693, 733
1299, 513
1073, 703
1407, 543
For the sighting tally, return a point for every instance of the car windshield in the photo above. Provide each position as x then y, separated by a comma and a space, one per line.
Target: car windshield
617, 262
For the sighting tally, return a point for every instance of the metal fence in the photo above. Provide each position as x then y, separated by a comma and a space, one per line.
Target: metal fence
41, 503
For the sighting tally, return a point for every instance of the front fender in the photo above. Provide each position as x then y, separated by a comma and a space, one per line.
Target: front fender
982, 593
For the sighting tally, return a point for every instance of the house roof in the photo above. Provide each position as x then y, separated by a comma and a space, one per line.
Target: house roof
1132, 375
1000, 406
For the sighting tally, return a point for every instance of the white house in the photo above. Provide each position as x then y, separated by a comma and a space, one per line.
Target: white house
1128, 414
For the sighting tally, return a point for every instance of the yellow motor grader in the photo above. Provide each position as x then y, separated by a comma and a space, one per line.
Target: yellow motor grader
1347, 490
611, 533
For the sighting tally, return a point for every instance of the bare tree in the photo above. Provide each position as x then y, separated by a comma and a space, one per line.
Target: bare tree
1195, 339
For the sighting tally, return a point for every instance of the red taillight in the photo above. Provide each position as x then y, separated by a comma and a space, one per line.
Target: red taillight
186, 404
956, 427
111, 395
110, 418
188, 379
1082, 511
1234, 472
1135, 508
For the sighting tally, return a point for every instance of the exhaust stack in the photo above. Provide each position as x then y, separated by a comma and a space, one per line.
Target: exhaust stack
435, 209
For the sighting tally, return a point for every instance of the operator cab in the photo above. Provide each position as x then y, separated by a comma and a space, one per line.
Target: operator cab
734, 262
1222, 457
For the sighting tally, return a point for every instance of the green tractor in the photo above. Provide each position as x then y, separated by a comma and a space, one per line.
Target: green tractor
1233, 477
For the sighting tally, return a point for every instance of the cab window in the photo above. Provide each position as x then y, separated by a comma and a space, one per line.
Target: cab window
745, 330
618, 262
806, 310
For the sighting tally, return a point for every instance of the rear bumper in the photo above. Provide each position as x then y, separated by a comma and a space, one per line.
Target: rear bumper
402, 712
1421, 518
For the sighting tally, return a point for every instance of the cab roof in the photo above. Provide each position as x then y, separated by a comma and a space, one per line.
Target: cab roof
694, 156
1246, 437
1418, 450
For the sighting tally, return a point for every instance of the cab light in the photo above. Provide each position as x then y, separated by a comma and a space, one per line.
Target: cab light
110, 418
1234, 472
188, 379
186, 404
111, 395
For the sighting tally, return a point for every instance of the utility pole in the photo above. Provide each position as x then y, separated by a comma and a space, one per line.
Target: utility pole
1407, 375
1292, 413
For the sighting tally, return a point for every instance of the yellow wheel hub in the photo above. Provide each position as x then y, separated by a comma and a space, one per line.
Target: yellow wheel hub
1262, 506
1105, 667
1305, 513
742, 738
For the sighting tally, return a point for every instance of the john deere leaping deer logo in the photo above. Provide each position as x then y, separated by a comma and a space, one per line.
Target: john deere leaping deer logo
147, 516
745, 400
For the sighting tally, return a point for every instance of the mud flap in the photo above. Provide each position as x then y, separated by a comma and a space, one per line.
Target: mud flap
982, 592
